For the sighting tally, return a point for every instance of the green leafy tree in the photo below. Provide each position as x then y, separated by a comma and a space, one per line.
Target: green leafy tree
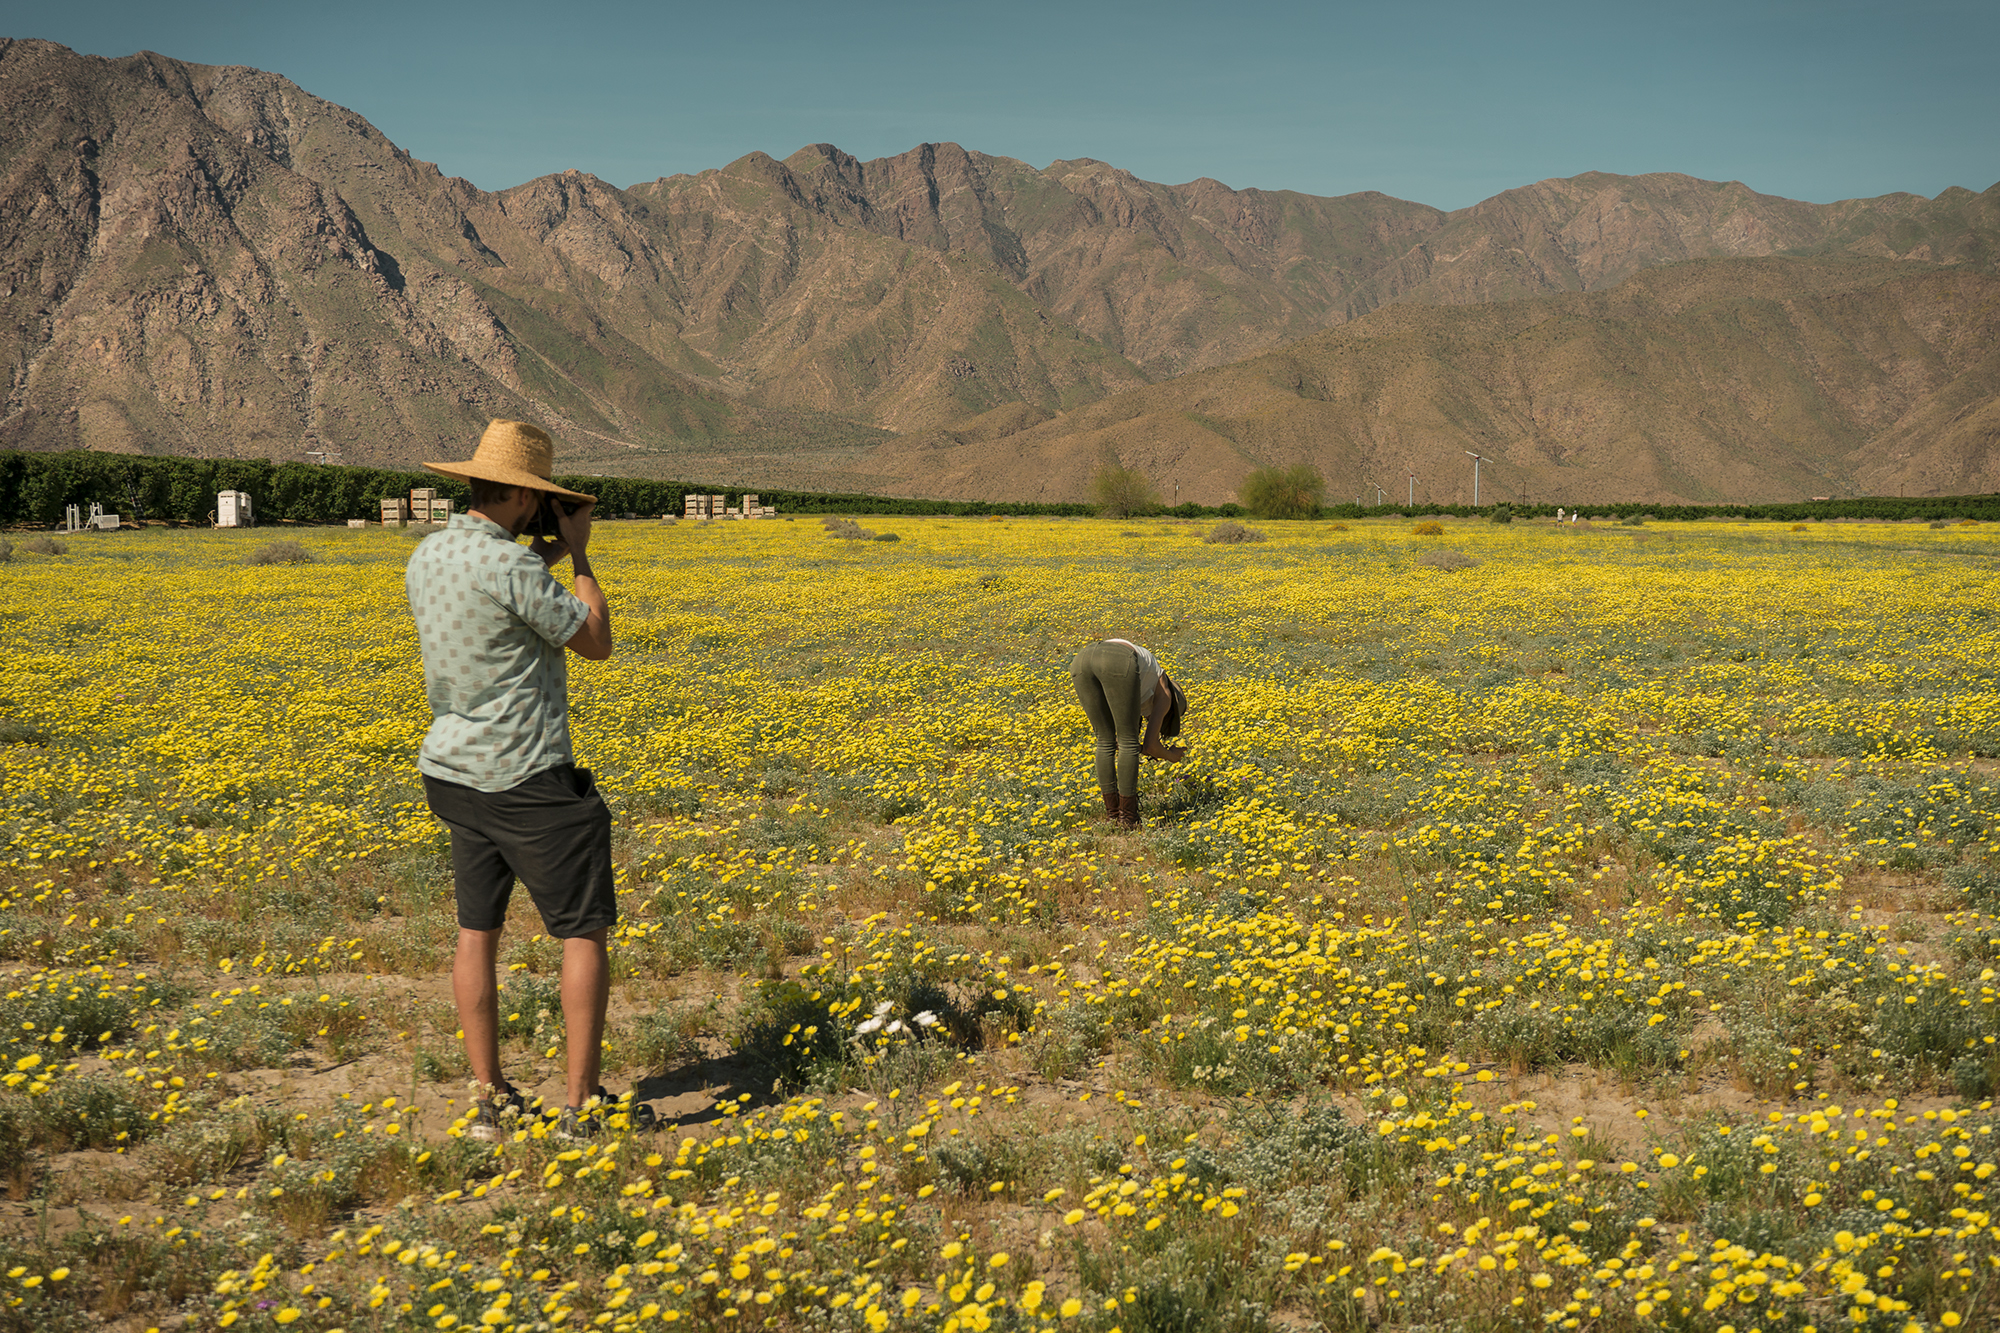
1121, 491
1283, 492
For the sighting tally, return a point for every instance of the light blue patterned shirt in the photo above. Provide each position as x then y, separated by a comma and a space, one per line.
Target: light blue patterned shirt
492, 622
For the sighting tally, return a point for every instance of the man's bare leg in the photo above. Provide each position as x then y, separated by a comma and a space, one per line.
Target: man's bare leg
586, 991
477, 995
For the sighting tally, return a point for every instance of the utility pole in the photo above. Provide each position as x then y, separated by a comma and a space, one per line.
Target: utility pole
1476, 461
1413, 490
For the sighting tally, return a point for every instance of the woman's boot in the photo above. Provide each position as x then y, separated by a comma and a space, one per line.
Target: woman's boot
1128, 811
1110, 804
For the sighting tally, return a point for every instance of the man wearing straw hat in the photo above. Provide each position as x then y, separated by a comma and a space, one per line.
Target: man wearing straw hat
497, 765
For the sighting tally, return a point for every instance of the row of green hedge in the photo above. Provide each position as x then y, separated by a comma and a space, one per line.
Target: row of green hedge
34, 488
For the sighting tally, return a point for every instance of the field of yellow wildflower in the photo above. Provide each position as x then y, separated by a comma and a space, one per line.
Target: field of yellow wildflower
1580, 928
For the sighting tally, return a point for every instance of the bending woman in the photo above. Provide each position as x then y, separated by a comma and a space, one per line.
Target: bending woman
1122, 688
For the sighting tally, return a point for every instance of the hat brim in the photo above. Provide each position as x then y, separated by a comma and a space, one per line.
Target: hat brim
474, 470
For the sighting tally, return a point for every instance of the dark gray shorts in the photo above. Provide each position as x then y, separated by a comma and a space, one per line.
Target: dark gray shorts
553, 833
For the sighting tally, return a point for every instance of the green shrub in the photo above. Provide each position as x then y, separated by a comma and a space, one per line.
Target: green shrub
529, 1006
74, 1013
1291, 492
1121, 492
16, 1137
662, 1039
1979, 883
1501, 514
204, 1145
92, 1111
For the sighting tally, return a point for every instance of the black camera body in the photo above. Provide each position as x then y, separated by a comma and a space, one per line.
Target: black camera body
544, 524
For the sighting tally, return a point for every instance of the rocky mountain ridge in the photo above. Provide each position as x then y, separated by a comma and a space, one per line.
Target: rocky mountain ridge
210, 259
1711, 381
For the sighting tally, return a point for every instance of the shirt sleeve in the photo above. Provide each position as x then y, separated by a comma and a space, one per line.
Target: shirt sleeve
528, 590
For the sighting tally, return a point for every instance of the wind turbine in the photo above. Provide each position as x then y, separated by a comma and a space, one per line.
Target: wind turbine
1476, 461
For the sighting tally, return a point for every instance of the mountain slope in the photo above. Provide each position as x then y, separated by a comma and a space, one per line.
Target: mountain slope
209, 259
1705, 381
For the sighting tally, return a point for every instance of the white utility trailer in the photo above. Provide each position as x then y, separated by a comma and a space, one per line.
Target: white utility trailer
234, 510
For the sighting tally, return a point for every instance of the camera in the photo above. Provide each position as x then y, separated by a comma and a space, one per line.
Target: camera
544, 524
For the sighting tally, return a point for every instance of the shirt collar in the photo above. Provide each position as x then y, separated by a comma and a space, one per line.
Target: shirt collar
467, 521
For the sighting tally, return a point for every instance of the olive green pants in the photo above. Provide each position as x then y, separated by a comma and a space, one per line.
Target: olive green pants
1106, 676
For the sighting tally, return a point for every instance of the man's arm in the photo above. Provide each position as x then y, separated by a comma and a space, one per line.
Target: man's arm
593, 640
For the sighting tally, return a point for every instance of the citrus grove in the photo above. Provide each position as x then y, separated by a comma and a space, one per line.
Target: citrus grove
1553, 927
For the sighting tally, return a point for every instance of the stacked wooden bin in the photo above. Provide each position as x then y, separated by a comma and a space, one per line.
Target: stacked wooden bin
718, 506
424, 505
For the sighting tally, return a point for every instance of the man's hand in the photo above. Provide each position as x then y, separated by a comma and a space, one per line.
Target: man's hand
551, 552
575, 529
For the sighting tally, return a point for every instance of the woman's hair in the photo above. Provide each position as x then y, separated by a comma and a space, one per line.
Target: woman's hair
1170, 725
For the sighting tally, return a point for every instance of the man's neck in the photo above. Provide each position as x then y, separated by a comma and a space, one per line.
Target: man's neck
495, 520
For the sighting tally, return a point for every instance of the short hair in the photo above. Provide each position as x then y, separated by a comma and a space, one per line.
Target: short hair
486, 492
1170, 725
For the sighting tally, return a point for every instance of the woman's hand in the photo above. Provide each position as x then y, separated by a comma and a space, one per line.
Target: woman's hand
1173, 754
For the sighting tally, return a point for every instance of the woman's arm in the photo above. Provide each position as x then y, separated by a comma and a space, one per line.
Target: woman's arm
1163, 699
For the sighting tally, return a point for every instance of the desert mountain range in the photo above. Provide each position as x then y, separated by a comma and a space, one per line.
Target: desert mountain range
208, 259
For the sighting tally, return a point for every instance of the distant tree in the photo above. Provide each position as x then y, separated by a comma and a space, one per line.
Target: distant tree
1120, 491
1287, 492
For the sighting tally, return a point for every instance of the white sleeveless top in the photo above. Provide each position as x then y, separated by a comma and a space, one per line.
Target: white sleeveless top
1149, 673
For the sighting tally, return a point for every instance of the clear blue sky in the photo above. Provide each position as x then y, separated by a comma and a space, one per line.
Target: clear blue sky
1441, 101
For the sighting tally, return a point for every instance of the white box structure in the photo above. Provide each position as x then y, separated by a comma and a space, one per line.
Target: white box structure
440, 511
395, 511
234, 510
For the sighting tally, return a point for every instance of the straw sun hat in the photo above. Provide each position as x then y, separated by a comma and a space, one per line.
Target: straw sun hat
512, 453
